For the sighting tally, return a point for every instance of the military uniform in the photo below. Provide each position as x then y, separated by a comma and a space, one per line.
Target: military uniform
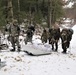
66, 36
70, 33
64, 40
14, 31
54, 35
29, 35
44, 36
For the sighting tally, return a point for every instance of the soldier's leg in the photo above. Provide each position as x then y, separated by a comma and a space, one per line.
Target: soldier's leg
64, 51
26, 40
13, 43
64, 48
52, 46
18, 44
68, 43
30, 39
45, 40
49, 40
42, 41
52, 42
56, 45
62, 45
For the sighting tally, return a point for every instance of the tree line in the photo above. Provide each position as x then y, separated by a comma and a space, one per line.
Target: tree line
34, 11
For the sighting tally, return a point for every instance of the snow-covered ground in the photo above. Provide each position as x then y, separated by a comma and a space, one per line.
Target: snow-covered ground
56, 63
69, 5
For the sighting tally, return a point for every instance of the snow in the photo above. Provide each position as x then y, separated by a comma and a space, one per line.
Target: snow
68, 20
19, 63
73, 41
66, 23
69, 5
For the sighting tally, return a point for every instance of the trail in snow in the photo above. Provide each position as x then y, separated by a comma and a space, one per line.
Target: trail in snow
56, 63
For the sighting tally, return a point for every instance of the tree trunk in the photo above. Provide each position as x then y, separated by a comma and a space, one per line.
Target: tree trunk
30, 14
49, 14
6, 10
10, 11
19, 11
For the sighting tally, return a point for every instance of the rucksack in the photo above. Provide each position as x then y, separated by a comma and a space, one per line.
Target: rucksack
71, 31
29, 33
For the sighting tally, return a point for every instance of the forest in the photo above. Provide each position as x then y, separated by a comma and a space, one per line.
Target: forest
36, 11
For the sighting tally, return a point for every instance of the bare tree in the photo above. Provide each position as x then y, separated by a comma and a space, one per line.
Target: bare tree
49, 13
10, 11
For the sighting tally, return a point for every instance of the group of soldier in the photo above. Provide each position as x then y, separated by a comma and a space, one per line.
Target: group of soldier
14, 31
52, 35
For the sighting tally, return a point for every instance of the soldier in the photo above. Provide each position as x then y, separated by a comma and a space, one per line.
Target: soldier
54, 35
29, 35
44, 36
14, 32
66, 36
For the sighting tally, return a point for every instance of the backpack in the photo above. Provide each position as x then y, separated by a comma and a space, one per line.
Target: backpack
71, 31
29, 33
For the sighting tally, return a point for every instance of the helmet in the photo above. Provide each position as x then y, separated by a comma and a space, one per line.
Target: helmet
15, 22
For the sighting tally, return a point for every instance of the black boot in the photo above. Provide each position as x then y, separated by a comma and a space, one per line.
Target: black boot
64, 52
12, 50
19, 49
55, 50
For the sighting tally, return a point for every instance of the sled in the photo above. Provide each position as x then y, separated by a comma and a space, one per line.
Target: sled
3, 46
2, 64
35, 52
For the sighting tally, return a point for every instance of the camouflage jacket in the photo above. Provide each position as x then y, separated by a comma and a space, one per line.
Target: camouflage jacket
14, 30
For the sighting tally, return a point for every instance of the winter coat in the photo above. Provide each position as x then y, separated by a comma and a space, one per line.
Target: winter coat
44, 36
